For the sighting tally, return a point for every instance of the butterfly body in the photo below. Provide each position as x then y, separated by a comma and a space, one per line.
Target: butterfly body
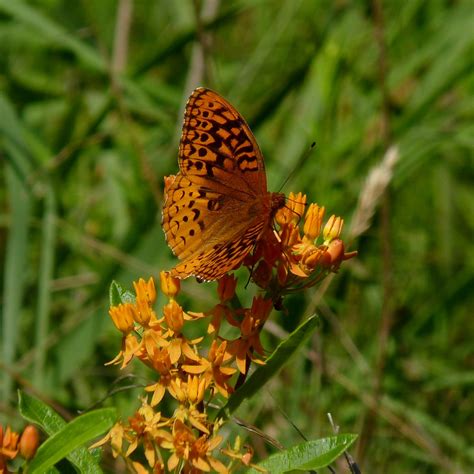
218, 206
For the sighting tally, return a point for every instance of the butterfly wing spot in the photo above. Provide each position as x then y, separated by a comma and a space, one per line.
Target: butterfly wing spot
215, 204
247, 163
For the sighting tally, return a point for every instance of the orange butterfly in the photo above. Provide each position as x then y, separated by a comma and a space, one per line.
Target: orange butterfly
217, 207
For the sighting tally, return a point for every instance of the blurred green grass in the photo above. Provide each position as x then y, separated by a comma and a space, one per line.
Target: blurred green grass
89, 124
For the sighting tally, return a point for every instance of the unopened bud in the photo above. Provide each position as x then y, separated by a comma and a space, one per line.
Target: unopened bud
313, 220
29, 442
262, 274
123, 317
332, 229
174, 316
170, 286
336, 251
226, 287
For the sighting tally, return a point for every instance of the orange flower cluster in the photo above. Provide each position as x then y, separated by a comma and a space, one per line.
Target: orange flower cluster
186, 372
12, 445
287, 260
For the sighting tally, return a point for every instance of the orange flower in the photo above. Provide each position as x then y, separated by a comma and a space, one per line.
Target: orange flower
174, 317
130, 347
170, 286
191, 391
144, 423
214, 369
332, 229
161, 362
123, 317
115, 436
313, 221
219, 313
8, 445
293, 209
226, 287
146, 297
195, 452
145, 290
290, 235
254, 319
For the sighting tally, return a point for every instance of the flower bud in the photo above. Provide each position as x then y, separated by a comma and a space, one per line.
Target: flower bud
170, 286
174, 316
336, 252
196, 388
332, 229
297, 205
313, 220
290, 235
261, 307
262, 274
226, 287
123, 317
29, 442
145, 290
292, 211
142, 312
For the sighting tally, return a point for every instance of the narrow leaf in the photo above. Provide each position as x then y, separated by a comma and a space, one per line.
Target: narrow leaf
37, 412
309, 455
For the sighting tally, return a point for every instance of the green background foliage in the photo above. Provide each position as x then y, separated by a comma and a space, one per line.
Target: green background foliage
91, 103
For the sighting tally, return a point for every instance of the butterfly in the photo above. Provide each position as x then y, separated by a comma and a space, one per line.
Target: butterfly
217, 207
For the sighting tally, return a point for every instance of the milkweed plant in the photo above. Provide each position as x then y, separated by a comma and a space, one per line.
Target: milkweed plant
199, 381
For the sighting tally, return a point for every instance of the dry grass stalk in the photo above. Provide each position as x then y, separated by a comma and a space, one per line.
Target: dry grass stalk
375, 185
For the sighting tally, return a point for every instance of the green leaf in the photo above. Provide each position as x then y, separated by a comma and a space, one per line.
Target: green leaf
308, 455
66, 439
274, 363
118, 295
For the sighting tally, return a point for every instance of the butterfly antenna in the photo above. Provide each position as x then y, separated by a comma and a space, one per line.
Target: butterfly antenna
300, 163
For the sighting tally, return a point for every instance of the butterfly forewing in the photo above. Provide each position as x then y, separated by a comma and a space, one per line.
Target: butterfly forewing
217, 143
